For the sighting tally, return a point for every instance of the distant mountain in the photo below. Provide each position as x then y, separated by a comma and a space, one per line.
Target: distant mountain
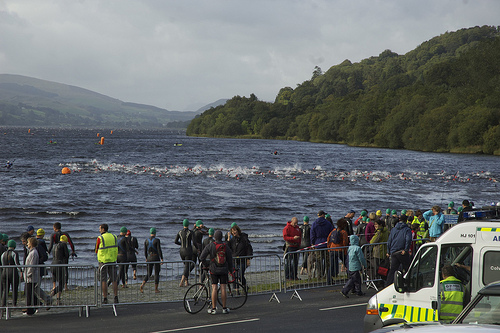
212, 105
26, 101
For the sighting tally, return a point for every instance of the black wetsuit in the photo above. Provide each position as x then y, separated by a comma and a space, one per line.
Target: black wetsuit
122, 257
131, 248
61, 256
184, 238
152, 252
10, 276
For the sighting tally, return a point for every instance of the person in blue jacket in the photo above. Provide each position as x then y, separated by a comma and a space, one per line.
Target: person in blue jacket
320, 230
436, 222
398, 249
357, 262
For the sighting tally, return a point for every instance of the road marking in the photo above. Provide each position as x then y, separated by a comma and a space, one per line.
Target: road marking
343, 306
209, 325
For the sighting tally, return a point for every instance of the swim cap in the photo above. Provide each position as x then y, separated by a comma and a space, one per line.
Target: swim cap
388, 211
63, 238
460, 209
30, 227
185, 223
40, 232
211, 231
233, 224
306, 218
364, 213
218, 235
379, 213
393, 212
199, 223
152, 231
5, 237
11, 243
327, 216
129, 233
403, 212
451, 204
123, 230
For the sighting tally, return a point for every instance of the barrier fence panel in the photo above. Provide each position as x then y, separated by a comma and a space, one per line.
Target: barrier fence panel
263, 275
46, 287
378, 264
315, 268
166, 275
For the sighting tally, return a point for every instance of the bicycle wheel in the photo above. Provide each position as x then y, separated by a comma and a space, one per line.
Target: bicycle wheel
195, 298
236, 297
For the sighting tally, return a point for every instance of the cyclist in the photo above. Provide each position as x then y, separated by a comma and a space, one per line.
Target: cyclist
221, 263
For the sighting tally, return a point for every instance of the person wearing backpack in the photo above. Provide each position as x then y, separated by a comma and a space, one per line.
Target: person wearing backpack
153, 254
338, 238
292, 235
9, 277
221, 263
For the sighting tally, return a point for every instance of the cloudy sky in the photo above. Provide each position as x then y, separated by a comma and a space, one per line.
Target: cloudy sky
182, 54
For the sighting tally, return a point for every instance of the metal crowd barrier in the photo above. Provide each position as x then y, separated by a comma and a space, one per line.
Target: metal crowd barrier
80, 286
74, 283
378, 264
262, 276
316, 268
129, 289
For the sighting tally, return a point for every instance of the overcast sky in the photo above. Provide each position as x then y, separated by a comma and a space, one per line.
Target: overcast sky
183, 54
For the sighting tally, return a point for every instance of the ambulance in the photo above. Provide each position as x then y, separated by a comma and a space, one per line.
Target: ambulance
471, 247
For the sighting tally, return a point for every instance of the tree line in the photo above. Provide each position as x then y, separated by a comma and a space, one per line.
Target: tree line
443, 96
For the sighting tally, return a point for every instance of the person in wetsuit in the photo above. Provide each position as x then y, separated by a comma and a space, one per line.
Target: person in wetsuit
153, 254
122, 256
198, 232
184, 238
61, 256
132, 246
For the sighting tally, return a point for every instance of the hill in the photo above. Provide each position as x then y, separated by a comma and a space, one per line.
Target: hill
443, 96
26, 101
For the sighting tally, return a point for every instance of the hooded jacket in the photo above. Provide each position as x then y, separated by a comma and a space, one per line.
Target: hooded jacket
357, 259
435, 223
320, 230
399, 238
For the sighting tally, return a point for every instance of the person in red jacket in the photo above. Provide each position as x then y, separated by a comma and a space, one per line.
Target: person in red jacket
292, 235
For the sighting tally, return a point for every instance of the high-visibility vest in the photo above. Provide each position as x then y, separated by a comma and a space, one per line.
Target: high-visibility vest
108, 248
452, 298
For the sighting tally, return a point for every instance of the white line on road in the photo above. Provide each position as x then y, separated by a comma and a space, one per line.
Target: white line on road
343, 306
209, 325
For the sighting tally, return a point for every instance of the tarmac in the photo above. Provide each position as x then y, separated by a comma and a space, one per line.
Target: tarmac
313, 310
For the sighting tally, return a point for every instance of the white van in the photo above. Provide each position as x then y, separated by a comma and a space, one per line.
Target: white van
472, 247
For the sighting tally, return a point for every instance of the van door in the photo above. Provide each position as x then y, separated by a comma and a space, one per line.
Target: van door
422, 286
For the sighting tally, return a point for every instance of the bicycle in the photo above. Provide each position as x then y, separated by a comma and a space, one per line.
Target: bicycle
199, 295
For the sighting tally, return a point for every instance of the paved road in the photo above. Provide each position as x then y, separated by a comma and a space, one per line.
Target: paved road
321, 310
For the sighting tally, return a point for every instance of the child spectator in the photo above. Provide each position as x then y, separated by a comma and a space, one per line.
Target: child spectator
357, 262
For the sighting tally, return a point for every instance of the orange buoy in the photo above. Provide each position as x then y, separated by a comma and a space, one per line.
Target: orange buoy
65, 171
102, 140
98, 134
29, 130
111, 132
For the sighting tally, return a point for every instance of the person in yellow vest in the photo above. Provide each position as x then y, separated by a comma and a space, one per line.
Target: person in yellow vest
106, 248
451, 295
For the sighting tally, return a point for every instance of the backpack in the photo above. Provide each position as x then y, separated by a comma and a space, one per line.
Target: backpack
220, 254
335, 237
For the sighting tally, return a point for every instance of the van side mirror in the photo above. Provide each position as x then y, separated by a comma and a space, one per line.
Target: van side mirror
399, 282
